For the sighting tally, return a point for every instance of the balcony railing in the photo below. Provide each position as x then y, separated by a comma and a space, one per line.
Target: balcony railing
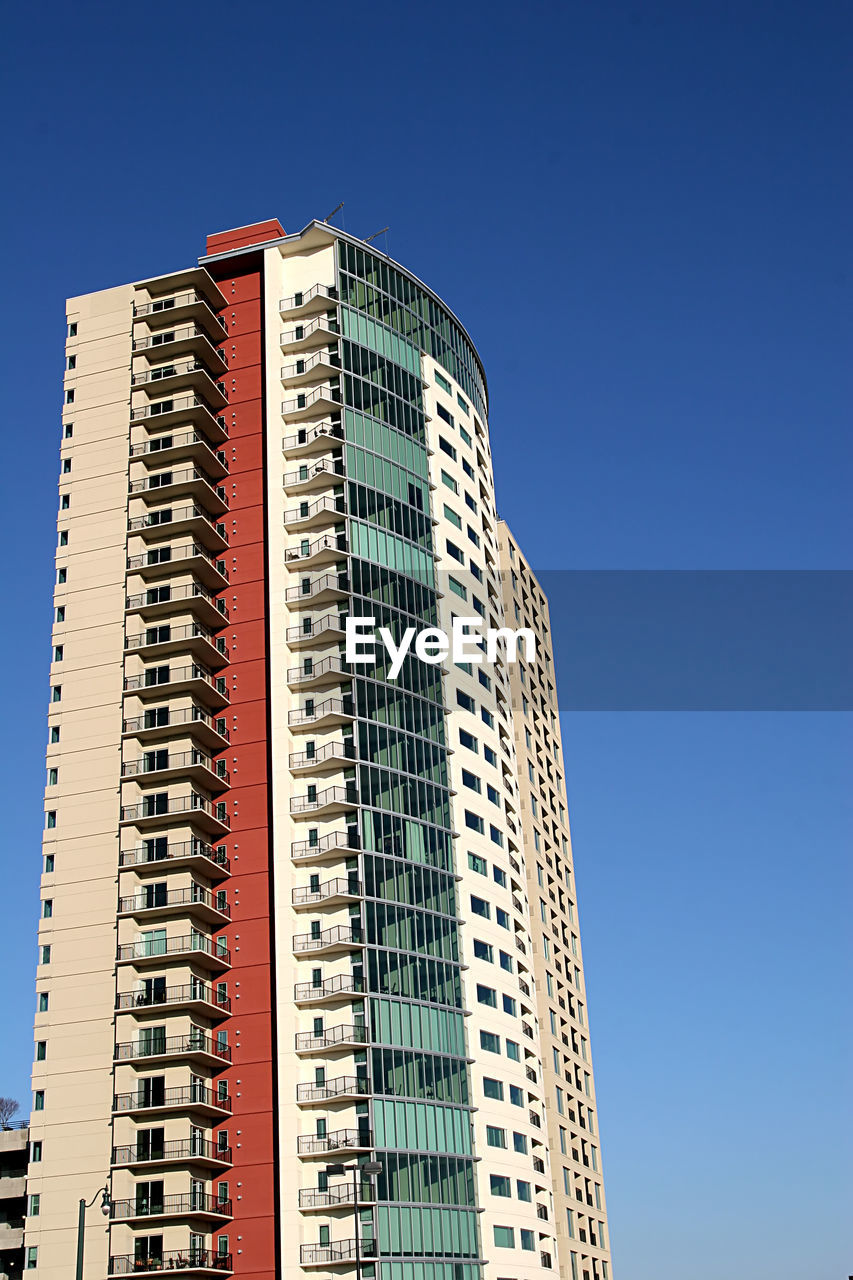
304, 364
338, 583
186, 439
335, 542
168, 479
310, 510
195, 992
340, 984
194, 1096
318, 1255
309, 1198
177, 716
170, 1206
322, 432
175, 760
192, 1259
160, 373
152, 679
328, 622
170, 556
316, 293
349, 1033
160, 344
172, 595
196, 943
340, 887
331, 751
176, 805
340, 1086
332, 665
154, 636
193, 896
322, 325
168, 1046
342, 707
343, 1139
346, 797
332, 467
175, 515
186, 1150
341, 934
159, 306
173, 851
333, 841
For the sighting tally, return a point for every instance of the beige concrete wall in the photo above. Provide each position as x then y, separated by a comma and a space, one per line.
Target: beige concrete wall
568, 1077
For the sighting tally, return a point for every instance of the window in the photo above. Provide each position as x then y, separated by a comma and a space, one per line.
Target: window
58, 652
43, 1002
473, 536
483, 950
50, 819
471, 780
495, 1137
56, 693
63, 537
496, 835
474, 822
71, 362
64, 501
456, 552
447, 447
60, 613
523, 1190
499, 1185
490, 1042
69, 396
478, 864
528, 1238
499, 876
52, 777
493, 794
489, 755
516, 1095
467, 740
47, 908
468, 469
442, 382
493, 1088
465, 701
482, 677
41, 1050
470, 502
62, 575
487, 717
449, 481
72, 329
487, 995
38, 1100
506, 961
32, 1256
66, 466
34, 1206
36, 1149
44, 955
457, 587
519, 1142
480, 907
504, 1237
502, 917
54, 733
68, 431
465, 436
513, 1051
453, 517
509, 1006
463, 406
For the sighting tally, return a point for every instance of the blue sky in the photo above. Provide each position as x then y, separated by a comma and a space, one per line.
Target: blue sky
641, 213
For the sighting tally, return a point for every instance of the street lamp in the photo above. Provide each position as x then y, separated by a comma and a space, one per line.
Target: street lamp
106, 1208
368, 1170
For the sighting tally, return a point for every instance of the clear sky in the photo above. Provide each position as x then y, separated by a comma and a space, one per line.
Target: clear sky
641, 212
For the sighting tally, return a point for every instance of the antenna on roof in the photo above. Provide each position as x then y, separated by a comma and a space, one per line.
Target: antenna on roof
334, 211
377, 233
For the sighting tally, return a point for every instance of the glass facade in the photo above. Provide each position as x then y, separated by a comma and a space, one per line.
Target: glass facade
425, 1219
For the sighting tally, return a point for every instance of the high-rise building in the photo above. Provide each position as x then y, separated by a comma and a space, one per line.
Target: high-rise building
310, 997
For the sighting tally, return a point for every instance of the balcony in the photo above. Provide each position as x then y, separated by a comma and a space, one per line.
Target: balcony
326, 759
327, 549
309, 515
194, 1098
314, 439
161, 810
314, 475
193, 1262
209, 953
175, 520
342, 1140
316, 675
186, 446
192, 901
195, 1047
161, 313
193, 855
311, 368
347, 1036
168, 681
160, 414
327, 803
341, 889
195, 1205
328, 848
337, 1253
192, 597
335, 990
164, 766
316, 403
163, 379
323, 329
319, 590
327, 629
190, 556
183, 340
341, 937
340, 1089
166, 722
186, 482
321, 715
167, 640
309, 301
194, 997
189, 1151
337, 1197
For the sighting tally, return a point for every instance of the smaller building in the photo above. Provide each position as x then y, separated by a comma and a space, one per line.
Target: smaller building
14, 1155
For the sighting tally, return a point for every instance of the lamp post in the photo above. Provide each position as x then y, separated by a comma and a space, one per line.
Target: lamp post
106, 1207
359, 1171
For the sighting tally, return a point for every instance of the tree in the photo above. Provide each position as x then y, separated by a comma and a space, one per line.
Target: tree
8, 1108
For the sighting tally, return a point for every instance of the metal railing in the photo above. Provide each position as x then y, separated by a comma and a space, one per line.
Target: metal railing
188, 631
342, 1139
156, 519
194, 1095
307, 435
330, 323
182, 334
328, 622
194, 895
174, 760
182, 849
340, 1086
330, 751
181, 715
336, 505
179, 404
167, 1206
343, 840
174, 555
336, 1251
302, 675
193, 803
159, 305
309, 1198
340, 984
331, 795
197, 943
340, 887
176, 675
160, 444
184, 1150
170, 595
329, 706
315, 586
341, 933
127, 1264
161, 372
162, 1046
346, 1033
306, 295
304, 364
323, 466
195, 991
166, 479
336, 542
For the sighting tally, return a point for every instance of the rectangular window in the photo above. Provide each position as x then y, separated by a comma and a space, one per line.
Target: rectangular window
442, 382
490, 756
465, 701
483, 950
528, 1239
43, 1002
474, 823
523, 1190
36, 1150
504, 1237
449, 481
456, 552
50, 819
41, 1050
465, 436
447, 447
513, 1051
493, 794
452, 516
478, 864
506, 961
493, 1088
516, 1095
502, 917
509, 1006
463, 406
34, 1206
496, 835
64, 501
44, 955
468, 469
495, 1137
38, 1100
519, 1142
487, 717
487, 995
444, 414
490, 1042
467, 740
480, 907
499, 1185
471, 781
457, 587
499, 876
32, 1257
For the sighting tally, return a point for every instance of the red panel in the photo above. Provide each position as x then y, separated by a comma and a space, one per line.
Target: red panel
241, 237
252, 1180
